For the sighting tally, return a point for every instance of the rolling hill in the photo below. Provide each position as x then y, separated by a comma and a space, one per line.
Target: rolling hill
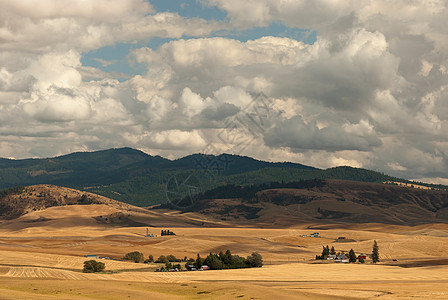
134, 177
266, 205
324, 201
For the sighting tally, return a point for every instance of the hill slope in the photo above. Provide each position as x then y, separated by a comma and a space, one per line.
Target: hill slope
329, 201
131, 176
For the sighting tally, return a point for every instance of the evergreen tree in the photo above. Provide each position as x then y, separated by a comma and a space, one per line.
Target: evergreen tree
332, 251
325, 252
199, 262
375, 253
227, 258
352, 256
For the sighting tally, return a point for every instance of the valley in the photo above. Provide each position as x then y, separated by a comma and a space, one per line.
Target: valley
42, 252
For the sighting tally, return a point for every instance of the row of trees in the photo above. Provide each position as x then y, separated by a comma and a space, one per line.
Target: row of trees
166, 232
214, 261
228, 261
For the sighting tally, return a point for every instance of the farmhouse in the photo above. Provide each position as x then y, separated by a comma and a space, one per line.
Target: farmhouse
341, 258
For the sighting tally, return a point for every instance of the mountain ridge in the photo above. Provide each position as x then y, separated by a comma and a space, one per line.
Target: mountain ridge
137, 178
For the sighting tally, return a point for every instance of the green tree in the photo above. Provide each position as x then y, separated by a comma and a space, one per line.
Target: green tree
352, 256
162, 259
227, 258
255, 260
150, 259
325, 253
134, 256
171, 258
213, 261
93, 266
199, 261
375, 253
332, 251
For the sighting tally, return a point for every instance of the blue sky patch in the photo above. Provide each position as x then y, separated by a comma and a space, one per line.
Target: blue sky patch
115, 58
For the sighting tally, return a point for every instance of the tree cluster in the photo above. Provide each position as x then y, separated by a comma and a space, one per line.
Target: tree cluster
13, 190
166, 232
228, 261
134, 256
93, 266
326, 251
352, 257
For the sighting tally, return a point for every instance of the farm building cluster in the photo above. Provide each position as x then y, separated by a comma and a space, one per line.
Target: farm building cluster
315, 234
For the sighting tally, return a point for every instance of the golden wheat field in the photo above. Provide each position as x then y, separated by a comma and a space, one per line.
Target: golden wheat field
42, 255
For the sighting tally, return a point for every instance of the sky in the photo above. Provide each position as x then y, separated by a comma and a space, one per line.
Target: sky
324, 83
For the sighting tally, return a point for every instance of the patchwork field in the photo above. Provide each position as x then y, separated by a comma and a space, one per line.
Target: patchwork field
43, 259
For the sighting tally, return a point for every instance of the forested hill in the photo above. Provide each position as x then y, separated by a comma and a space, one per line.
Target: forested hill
137, 178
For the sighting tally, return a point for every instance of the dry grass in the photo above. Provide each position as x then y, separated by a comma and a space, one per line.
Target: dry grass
43, 260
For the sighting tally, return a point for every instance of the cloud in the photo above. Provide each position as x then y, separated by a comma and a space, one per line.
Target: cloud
175, 139
299, 136
84, 26
370, 91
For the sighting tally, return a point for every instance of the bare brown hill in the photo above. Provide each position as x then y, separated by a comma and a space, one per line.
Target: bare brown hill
50, 205
336, 201
39, 197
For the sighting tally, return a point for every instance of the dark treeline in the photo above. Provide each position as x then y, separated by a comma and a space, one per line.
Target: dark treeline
249, 192
228, 261
13, 190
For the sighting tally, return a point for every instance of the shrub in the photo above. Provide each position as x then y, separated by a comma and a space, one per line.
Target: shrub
149, 260
172, 258
162, 259
93, 266
255, 260
134, 256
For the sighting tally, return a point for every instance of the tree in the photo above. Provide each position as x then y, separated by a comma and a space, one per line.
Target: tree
325, 253
352, 256
213, 262
255, 260
162, 259
199, 262
134, 256
332, 251
171, 258
375, 253
93, 266
149, 260
227, 258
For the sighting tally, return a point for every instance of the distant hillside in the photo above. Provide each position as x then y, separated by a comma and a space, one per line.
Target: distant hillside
326, 201
54, 206
16, 202
131, 176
